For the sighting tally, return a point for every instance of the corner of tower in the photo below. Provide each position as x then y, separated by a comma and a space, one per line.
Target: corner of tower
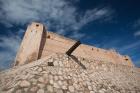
30, 46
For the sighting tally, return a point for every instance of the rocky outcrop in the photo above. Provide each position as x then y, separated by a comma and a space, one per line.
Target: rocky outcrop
60, 73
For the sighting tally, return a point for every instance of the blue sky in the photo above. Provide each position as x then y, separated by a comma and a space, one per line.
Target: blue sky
108, 24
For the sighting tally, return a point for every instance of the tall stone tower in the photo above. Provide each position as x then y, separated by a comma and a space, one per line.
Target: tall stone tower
29, 48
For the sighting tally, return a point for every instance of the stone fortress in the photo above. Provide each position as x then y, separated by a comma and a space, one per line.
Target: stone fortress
50, 63
39, 43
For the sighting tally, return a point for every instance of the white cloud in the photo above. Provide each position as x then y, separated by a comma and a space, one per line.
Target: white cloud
58, 14
9, 44
93, 15
136, 26
137, 33
131, 46
76, 35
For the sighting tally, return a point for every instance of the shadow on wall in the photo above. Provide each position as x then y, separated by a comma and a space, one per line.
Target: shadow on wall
77, 61
42, 44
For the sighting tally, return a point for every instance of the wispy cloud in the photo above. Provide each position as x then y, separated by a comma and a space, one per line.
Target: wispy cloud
9, 45
137, 33
60, 15
136, 26
131, 46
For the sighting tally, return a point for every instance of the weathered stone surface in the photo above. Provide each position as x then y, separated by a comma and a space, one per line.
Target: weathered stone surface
41, 79
92, 92
68, 79
10, 90
24, 83
41, 91
34, 89
71, 88
56, 85
41, 85
40, 69
49, 88
64, 87
59, 91
18, 91
51, 81
56, 63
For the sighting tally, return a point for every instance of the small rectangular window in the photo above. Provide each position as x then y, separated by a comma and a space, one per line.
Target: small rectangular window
50, 64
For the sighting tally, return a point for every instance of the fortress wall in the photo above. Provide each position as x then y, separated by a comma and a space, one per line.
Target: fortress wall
59, 44
55, 44
128, 60
39, 43
102, 55
92, 52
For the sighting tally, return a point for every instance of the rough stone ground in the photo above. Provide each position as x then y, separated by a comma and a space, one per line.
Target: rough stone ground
62, 74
